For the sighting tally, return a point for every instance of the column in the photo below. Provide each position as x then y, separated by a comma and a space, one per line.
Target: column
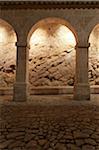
82, 87
21, 84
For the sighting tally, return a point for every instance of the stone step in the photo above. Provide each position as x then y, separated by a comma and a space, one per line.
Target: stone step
51, 90
48, 90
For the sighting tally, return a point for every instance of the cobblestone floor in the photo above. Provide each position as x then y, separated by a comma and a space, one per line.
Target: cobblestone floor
49, 123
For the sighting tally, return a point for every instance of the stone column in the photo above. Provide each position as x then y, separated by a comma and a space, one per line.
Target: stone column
21, 84
81, 87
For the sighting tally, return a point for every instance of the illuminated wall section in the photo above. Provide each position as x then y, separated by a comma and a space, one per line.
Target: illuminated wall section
94, 57
52, 56
7, 55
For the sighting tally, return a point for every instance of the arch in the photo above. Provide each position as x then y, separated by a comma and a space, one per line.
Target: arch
52, 20
94, 56
91, 26
49, 53
8, 38
6, 22
94, 31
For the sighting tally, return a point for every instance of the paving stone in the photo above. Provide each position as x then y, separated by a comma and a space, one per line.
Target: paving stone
79, 142
46, 146
95, 136
73, 147
42, 142
60, 146
50, 149
61, 127
88, 147
90, 141
17, 148
31, 144
68, 137
16, 143
15, 134
5, 144
28, 137
78, 134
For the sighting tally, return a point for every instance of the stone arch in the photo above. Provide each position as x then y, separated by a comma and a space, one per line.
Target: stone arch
94, 56
49, 20
55, 21
8, 39
93, 22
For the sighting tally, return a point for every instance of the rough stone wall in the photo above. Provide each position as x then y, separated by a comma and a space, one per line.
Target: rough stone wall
52, 56
51, 61
22, 21
7, 55
94, 57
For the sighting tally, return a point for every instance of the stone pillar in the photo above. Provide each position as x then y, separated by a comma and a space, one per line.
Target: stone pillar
21, 84
82, 87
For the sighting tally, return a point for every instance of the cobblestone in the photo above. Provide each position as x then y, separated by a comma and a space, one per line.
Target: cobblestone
71, 126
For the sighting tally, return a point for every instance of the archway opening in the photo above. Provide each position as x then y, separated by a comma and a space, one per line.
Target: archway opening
94, 57
52, 55
7, 54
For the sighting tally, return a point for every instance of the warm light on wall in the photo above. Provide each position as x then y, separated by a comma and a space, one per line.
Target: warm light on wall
94, 42
52, 55
3, 35
53, 34
94, 37
66, 35
7, 54
38, 36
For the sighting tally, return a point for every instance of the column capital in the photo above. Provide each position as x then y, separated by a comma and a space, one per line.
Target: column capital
22, 44
82, 45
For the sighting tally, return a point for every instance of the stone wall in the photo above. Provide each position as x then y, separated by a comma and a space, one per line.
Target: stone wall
94, 57
7, 55
53, 68
52, 56
7, 66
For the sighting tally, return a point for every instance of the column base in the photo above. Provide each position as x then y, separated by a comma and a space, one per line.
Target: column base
20, 92
82, 92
